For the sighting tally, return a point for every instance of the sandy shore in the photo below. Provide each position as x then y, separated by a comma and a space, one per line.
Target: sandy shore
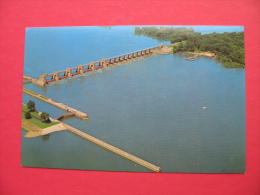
167, 49
35, 131
207, 54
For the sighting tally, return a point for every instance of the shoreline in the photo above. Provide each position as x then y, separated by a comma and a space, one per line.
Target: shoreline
206, 54
168, 49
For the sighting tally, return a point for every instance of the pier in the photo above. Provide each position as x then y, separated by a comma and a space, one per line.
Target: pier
57, 104
113, 149
103, 63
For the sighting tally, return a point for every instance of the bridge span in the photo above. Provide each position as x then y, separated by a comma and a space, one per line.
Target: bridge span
103, 63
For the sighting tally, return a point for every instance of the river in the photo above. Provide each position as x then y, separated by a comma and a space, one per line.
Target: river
151, 107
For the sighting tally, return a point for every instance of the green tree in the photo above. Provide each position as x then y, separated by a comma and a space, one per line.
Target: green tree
31, 105
27, 115
45, 117
228, 47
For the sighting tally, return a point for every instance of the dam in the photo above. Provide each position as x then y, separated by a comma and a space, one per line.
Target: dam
103, 63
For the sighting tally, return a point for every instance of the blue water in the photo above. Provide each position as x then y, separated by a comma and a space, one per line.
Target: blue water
54, 49
151, 107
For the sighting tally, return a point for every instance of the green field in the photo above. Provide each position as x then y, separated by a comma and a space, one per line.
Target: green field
35, 121
34, 113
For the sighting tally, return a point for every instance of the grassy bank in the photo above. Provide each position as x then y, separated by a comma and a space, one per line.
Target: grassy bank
34, 113
35, 121
39, 123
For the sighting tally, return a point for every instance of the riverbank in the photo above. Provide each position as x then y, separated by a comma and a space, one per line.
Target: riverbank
167, 49
34, 130
207, 54
35, 127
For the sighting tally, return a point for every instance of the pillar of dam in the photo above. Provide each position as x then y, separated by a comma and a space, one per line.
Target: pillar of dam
104, 63
68, 72
42, 78
92, 66
81, 69
56, 75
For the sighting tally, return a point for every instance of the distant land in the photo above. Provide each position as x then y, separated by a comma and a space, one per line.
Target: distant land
228, 47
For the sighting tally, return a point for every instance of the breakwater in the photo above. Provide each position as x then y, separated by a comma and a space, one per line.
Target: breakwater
113, 148
56, 104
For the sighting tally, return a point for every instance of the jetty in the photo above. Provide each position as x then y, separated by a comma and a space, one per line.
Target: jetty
46, 78
62, 106
113, 148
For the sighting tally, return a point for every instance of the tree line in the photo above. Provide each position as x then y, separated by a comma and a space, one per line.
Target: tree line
228, 47
165, 33
31, 108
